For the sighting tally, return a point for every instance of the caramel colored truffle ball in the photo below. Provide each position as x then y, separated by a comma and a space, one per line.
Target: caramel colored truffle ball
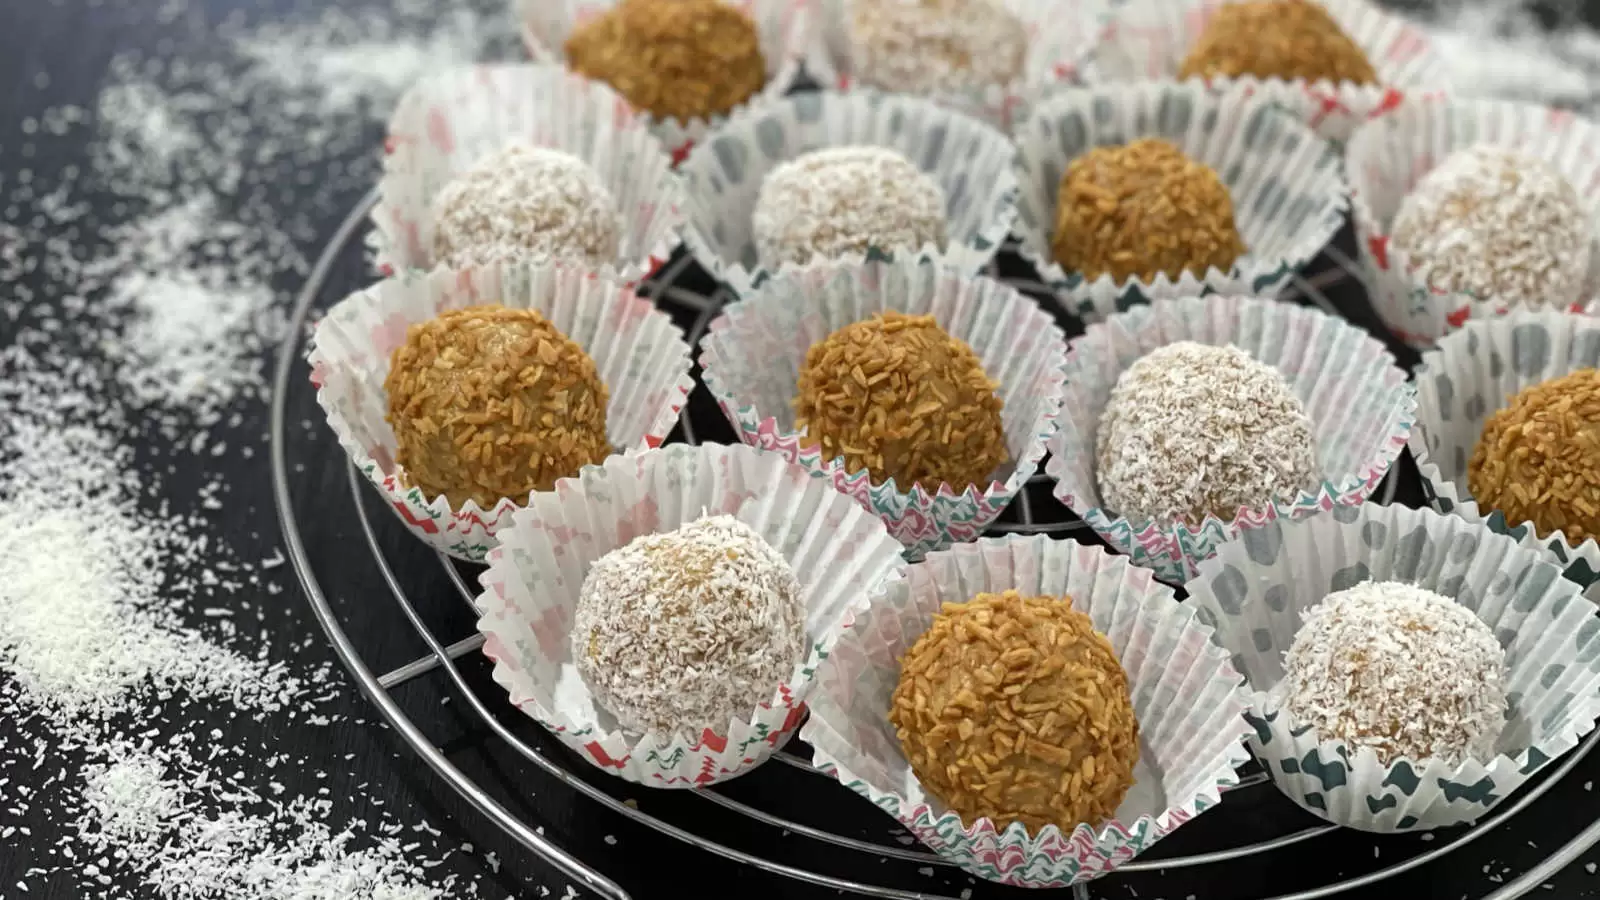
897, 396
934, 46
675, 59
1140, 209
1285, 39
1538, 459
489, 403
1015, 709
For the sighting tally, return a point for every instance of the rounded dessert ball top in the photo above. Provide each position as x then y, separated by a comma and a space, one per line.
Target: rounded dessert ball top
897, 396
1193, 430
1538, 459
1015, 709
1399, 669
526, 202
689, 630
1498, 224
1138, 209
489, 403
675, 59
934, 46
1285, 39
846, 200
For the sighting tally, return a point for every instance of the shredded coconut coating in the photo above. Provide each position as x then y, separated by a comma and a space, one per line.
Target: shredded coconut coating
1285, 39
1193, 430
1538, 459
1399, 669
846, 200
526, 202
683, 632
1498, 224
935, 46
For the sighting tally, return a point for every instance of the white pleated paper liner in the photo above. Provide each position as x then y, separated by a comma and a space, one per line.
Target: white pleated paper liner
1471, 375
971, 161
1257, 590
1288, 188
1360, 404
838, 551
1387, 157
448, 122
750, 360
1151, 38
1187, 698
640, 354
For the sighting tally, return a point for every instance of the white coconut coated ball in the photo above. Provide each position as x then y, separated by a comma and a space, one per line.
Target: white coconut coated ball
936, 46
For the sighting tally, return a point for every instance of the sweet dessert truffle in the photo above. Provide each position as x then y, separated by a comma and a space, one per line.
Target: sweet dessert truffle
897, 396
489, 403
675, 59
1193, 430
526, 202
686, 631
1138, 209
1498, 224
1399, 669
843, 200
935, 46
1538, 459
1015, 709
1285, 39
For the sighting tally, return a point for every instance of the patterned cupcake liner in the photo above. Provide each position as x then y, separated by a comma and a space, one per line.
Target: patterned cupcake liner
1360, 403
640, 355
1187, 697
1471, 374
1257, 590
1387, 157
971, 162
752, 354
839, 553
1289, 193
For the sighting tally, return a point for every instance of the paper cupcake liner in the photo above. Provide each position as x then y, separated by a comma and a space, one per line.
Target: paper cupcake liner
970, 160
1389, 156
1150, 38
784, 28
640, 354
1471, 375
751, 357
1256, 591
838, 551
1289, 194
1186, 695
1360, 404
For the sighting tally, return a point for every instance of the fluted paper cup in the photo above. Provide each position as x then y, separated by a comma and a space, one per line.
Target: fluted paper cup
838, 551
1256, 593
1186, 696
1360, 404
640, 355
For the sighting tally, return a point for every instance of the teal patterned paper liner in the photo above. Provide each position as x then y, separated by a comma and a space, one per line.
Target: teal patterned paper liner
1186, 695
971, 161
839, 553
1472, 373
1257, 589
1360, 403
1288, 187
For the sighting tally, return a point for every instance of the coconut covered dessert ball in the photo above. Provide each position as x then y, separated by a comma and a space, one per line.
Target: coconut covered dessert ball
846, 200
1193, 430
1538, 459
1015, 709
489, 403
675, 59
1138, 209
1498, 224
933, 46
526, 202
897, 396
1285, 39
1399, 669
689, 630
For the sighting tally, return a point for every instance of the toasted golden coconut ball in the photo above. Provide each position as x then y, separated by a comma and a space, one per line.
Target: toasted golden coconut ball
897, 396
1285, 39
1538, 459
489, 403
